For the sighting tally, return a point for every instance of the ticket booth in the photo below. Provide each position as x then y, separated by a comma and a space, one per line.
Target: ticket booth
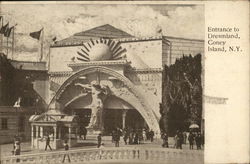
55, 125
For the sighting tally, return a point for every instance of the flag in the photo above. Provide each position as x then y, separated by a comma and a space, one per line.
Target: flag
8, 31
54, 39
1, 21
159, 31
36, 35
4, 28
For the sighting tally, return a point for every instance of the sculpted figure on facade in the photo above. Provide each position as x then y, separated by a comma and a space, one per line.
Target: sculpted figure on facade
99, 94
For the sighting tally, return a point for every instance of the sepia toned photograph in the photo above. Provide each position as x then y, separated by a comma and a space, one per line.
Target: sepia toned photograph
101, 83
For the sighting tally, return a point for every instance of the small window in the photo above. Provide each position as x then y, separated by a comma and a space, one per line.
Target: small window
4, 123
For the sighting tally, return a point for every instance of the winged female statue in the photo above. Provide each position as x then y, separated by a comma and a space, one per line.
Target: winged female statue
99, 94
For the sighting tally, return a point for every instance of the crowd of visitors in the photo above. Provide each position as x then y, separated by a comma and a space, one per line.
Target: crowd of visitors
194, 138
131, 136
137, 136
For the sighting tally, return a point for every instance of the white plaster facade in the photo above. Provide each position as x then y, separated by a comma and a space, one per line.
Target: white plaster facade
136, 79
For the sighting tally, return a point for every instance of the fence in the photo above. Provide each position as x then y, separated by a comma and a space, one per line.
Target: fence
138, 155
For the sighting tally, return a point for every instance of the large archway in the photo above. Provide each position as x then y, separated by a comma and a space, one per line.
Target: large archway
117, 113
126, 91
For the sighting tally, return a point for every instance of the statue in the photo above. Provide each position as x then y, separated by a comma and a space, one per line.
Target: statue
99, 94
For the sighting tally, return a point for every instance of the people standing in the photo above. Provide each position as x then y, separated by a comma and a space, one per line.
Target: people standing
117, 136
101, 151
140, 136
148, 134
131, 136
47, 143
136, 138
84, 133
113, 134
180, 140
144, 135
99, 140
17, 149
151, 134
164, 137
66, 148
191, 140
175, 140
125, 136
184, 137
14, 143
202, 140
198, 141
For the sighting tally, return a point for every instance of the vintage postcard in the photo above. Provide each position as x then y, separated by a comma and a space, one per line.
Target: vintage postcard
124, 82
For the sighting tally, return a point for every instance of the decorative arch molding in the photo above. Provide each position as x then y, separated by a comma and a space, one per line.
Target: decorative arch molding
141, 104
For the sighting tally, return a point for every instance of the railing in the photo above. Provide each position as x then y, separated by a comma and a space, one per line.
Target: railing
142, 155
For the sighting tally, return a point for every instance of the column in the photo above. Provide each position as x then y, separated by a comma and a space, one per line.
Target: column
37, 130
32, 136
41, 131
124, 113
69, 141
101, 121
54, 136
59, 133
55, 132
37, 136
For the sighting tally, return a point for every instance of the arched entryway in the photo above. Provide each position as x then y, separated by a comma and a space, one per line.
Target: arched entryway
120, 114
120, 86
117, 118
117, 114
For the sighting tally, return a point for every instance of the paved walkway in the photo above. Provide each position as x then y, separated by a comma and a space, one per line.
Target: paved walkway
6, 149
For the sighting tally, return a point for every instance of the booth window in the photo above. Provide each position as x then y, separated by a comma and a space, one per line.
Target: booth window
4, 123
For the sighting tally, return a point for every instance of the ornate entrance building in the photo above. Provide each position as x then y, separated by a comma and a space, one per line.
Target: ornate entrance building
101, 93
111, 79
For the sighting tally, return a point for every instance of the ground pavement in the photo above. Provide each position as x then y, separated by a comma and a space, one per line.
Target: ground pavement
91, 142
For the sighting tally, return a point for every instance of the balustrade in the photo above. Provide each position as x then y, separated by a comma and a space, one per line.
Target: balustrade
107, 154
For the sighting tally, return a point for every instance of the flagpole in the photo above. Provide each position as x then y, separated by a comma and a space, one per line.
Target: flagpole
48, 58
41, 56
1, 37
13, 40
7, 47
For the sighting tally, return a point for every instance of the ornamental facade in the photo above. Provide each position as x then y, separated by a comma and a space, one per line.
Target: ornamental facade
112, 79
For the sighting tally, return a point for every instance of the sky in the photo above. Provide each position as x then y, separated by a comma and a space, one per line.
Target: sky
63, 20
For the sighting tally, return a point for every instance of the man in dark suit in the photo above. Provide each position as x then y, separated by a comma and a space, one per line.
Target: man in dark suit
99, 140
47, 143
66, 148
